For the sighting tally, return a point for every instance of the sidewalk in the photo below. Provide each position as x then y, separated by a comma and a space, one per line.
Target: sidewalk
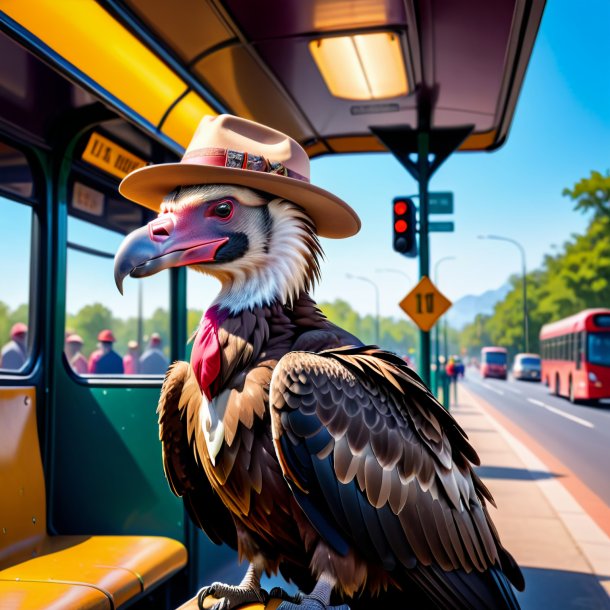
564, 554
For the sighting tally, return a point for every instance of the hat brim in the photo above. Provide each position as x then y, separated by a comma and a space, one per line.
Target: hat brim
331, 215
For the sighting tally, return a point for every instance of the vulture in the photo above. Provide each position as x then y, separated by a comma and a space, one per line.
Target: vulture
288, 439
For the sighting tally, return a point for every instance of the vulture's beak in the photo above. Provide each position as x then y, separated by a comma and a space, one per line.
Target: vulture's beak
159, 245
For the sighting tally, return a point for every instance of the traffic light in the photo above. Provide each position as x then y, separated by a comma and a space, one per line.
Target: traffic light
404, 226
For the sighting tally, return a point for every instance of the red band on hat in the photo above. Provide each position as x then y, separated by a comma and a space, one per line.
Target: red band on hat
223, 157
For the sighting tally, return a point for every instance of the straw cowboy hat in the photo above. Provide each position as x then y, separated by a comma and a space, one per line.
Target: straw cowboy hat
230, 150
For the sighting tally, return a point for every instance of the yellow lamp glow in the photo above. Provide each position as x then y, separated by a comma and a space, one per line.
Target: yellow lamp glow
87, 36
362, 67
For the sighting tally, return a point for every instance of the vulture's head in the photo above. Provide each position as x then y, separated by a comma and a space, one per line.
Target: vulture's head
262, 248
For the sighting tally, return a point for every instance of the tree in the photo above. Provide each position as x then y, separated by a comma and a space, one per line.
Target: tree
398, 336
88, 322
577, 277
592, 194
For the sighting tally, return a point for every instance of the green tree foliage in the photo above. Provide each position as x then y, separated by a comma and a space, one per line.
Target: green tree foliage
577, 277
592, 194
398, 336
88, 322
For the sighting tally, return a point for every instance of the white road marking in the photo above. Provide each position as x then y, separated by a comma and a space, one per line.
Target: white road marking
487, 386
513, 390
490, 387
578, 420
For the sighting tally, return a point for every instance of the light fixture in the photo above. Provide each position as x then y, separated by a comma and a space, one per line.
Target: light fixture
362, 67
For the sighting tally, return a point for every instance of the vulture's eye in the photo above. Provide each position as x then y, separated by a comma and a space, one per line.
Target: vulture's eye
224, 209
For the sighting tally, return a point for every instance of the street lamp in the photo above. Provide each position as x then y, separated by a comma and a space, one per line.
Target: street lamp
406, 275
368, 281
436, 328
523, 271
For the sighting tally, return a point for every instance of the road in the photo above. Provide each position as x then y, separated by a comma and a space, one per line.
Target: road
577, 435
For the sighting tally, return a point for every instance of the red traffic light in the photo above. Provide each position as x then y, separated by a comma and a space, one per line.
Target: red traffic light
400, 226
400, 207
405, 226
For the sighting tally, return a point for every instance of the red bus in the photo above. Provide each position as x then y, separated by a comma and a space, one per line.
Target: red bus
576, 355
494, 362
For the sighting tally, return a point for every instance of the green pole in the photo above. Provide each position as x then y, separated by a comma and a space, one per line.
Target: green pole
423, 148
436, 359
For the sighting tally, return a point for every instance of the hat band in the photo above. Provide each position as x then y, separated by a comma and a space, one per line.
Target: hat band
224, 157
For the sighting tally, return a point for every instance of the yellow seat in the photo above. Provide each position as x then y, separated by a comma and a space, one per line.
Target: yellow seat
117, 568
33, 595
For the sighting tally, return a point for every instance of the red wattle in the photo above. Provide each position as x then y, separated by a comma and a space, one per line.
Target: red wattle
205, 357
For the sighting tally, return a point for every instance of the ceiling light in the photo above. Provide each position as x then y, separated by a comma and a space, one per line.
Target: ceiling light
362, 67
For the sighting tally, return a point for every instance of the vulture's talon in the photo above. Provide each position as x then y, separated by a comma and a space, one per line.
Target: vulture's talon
279, 593
309, 603
229, 596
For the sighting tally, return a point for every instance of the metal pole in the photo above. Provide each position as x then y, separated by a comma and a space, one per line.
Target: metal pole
446, 351
368, 281
140, 318
526, 341
423, 149
526, 333
436, 326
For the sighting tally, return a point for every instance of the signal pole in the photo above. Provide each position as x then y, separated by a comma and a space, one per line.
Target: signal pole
402, 141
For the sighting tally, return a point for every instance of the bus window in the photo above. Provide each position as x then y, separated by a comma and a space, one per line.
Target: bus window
107, 333
599, 348
15, 253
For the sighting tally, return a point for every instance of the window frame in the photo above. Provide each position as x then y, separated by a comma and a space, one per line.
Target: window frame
105, 184
38, 244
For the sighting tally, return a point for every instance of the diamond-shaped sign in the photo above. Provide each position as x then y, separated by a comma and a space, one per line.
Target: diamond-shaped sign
425, 304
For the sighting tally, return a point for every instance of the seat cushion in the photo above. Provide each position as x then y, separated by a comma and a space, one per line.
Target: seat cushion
20, 595
121, 566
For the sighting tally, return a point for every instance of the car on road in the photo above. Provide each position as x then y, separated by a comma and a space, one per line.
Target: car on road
494, 362
527, 366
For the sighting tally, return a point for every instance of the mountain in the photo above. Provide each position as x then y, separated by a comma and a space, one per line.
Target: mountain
464, 310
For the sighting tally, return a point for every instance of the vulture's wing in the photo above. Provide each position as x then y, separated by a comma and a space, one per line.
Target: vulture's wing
178, 405
377, 463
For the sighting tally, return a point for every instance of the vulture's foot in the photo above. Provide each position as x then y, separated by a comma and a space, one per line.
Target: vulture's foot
279, 593
229, 596
310, 603
318, 599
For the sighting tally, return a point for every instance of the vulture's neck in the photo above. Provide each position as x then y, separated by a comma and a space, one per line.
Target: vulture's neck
227, 344
281, 263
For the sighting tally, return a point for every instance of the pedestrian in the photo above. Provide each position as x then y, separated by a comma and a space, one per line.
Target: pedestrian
451, 370
15, 352
104, 360
153, 361
131, 359
74, 355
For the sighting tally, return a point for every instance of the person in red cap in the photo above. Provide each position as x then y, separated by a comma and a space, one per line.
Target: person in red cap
104, 360
76, 359
15, 352
130, 359
153, 361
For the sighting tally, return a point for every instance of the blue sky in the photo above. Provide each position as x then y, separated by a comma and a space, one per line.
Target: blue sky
560, 132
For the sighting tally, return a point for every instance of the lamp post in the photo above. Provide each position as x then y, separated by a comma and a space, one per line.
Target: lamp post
436, 328
368, 281
405, 275
526, 343
398, 271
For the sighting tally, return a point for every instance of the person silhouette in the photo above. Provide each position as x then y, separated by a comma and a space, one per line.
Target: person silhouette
104, 360
15, 353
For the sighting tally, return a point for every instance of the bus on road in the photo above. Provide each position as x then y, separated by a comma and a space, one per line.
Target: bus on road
494, 362
576, 355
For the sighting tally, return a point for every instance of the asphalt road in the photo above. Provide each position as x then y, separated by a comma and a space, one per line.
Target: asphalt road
577, 435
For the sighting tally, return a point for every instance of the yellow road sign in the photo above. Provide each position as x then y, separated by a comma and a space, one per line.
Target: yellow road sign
425, 304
